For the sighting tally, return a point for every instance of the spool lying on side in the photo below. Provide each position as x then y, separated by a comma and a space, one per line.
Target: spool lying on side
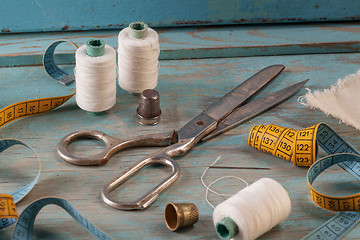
252, 211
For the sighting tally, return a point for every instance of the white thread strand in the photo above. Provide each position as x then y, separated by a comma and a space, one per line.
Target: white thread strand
256, 209
207, 187
138, 63
95, 80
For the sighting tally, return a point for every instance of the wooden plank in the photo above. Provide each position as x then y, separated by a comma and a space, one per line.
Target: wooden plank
185, 88
204, 42
40, 16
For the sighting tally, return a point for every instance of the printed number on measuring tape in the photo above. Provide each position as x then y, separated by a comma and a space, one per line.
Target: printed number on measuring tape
336, 204
335, 228
300, 147
30, 108
339, 225
24, 227
43, 105
8, 213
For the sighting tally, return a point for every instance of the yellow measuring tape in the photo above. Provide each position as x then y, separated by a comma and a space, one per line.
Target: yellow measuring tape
30, 108
300, 147
348, 203
43, 105
8, 214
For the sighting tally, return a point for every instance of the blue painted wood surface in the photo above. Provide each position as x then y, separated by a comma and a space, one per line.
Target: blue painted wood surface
185, 88
205, 42
53, 15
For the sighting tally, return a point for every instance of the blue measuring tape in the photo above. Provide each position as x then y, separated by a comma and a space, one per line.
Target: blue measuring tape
20, 193
8, 215
338, 226
300, 147
343, 154
25, 224
52, 69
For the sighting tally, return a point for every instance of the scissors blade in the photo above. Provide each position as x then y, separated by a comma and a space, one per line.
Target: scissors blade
225, 105
254, 108
208, 120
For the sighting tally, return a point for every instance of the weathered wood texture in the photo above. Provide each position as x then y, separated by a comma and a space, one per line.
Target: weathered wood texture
41, 15
205, 42
185, 88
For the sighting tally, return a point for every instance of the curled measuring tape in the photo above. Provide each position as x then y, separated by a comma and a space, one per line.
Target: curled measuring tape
30, 108
338, 226
25, 225
43, 105
336, 204
300, 147
8, 213
52, 69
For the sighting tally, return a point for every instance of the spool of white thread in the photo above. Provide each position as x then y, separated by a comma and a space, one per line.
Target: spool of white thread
138, 53
252, 211
95, 75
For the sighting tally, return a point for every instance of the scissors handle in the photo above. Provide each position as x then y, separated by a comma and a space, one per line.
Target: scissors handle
150, 196
163, 157
112, 145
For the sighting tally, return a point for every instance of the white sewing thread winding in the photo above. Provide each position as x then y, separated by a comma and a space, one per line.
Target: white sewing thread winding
138, 63
256, 209
95, 80
252, 211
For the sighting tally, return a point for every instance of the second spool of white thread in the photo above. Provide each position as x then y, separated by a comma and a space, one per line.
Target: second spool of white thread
95, 76
138, 53
255, 210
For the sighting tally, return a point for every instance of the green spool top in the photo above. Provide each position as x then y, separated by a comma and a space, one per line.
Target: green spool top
95, 48
226, 228
138, 30
96, 113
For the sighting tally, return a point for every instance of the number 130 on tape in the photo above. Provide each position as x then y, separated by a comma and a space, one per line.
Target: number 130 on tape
300, 147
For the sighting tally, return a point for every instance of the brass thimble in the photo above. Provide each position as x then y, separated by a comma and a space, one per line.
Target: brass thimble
149, 111
179, 215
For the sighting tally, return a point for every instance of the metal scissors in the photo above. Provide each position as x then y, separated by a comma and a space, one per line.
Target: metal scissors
227, 112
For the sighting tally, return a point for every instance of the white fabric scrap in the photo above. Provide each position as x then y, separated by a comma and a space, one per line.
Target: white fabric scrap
342, 100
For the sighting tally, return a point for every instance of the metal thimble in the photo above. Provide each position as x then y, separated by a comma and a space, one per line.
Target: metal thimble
149, 111
179, 215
